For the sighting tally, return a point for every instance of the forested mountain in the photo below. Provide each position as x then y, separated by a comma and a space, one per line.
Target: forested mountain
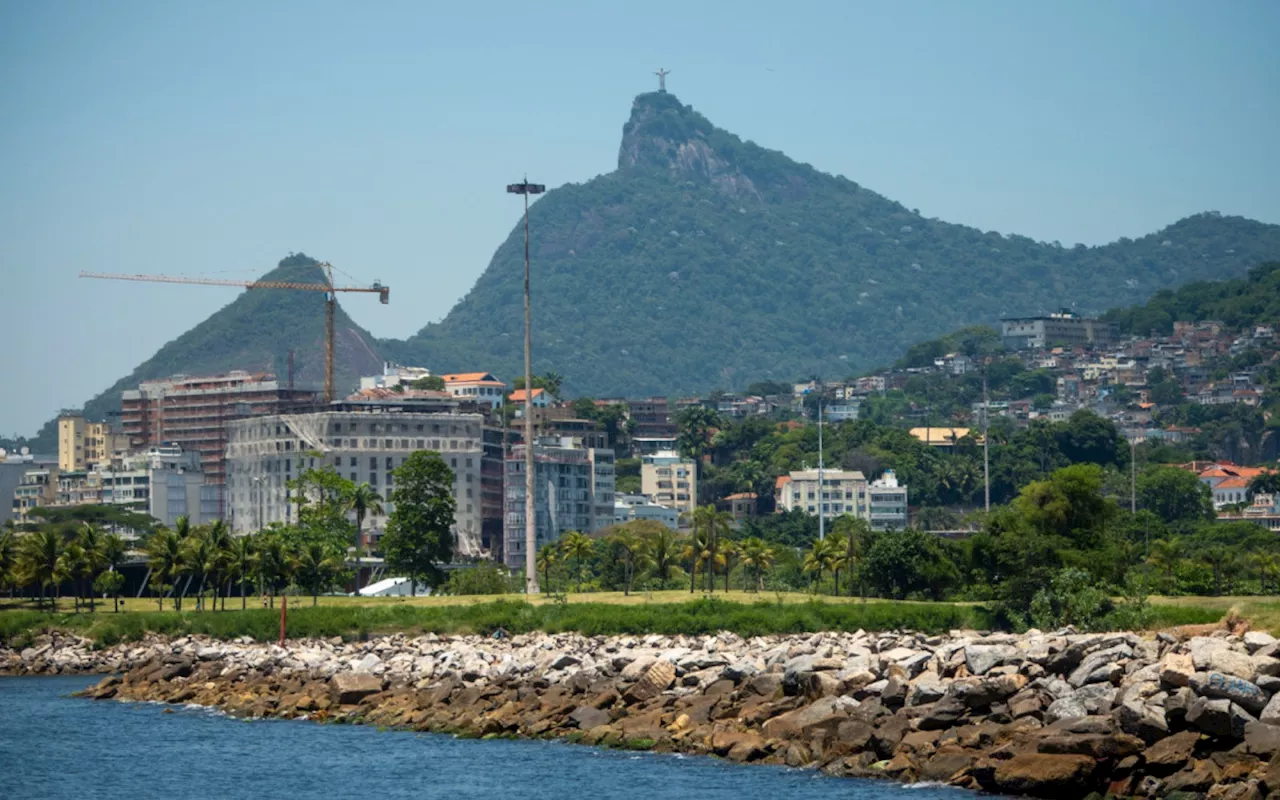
705, 261
254, 332
1238, 303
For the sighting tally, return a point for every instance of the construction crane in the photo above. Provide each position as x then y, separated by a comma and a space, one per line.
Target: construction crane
383, 292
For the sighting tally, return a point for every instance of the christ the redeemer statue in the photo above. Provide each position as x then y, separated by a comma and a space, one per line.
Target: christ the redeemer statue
662, 79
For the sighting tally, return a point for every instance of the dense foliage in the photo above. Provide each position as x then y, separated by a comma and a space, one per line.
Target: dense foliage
706, 261
1239, 303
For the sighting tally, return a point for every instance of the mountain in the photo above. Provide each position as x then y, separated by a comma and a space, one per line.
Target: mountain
705, 261
254, 332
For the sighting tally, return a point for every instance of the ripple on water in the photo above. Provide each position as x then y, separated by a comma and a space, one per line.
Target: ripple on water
55, 746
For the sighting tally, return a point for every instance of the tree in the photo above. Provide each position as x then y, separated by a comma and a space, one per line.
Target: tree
757, 556
546, 559
91, 541
1165, 555
1266, 482
1175, 495
854, 532
72, 566
694, 426
114, 553
8, 558
821, 557
38, 556
716, 525
697, 551
316, 567
241, 563
662, 546
419, 534
632, 553
363, 500
577, 546
272, 564
431, 383
903, 563
167, 559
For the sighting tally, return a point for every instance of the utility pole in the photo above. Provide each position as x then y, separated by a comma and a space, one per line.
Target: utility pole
822, 510
986, 443
530, 506
1133, 476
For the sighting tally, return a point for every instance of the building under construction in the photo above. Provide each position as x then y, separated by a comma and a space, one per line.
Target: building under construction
193, 412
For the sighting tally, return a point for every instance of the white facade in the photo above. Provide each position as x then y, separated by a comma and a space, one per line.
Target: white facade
888, 503
842, 492
363, 445
631, 507
670, 480
477, 387
394, 375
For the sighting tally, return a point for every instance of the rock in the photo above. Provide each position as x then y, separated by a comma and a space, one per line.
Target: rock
564, 661
587, 717
1237, 690
1256, 640
1044, 775
1271, 712
367, 664
637, 668
1247, 790
1171, 753
1197, 776
1262, 739
1176, 669
944, 765
350, 688
660, 675
981, 658
1232, 662
1218, 717
1095, 745
1065, 708
1143, 720
943, 714
739, 671
825, 714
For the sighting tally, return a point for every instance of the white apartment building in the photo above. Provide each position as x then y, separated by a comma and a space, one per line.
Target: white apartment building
363, 442
842, 492
888, 503
394, 375
631, 507
670, 480
478, 387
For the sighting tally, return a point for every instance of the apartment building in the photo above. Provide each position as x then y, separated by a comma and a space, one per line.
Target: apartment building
13, 466
882, 502
363, 442
194, 412
671, 480
1060, 328
479, 387
887, 506
36, 488
573, 491
82, 444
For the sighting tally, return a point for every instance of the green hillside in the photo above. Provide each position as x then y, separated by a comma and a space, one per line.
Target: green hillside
1239, 303
706, 261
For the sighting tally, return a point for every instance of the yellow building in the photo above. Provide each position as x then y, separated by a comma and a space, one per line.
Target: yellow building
82, 444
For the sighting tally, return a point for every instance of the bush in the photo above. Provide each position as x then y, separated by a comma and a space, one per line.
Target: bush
485, 577
1072, 598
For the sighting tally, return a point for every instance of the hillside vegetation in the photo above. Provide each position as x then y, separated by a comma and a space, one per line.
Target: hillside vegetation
705, 261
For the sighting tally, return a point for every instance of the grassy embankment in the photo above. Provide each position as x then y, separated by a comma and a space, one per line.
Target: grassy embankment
591, 614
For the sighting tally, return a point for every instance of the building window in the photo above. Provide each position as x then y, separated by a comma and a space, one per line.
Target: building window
353, 463
373, 462
389, 464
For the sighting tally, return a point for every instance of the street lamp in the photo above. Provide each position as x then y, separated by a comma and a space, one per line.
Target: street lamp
530, 507
257, 481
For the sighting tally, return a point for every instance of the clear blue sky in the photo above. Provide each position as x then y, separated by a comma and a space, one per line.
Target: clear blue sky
214, 138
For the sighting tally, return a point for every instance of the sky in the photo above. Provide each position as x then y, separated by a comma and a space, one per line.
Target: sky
213, 139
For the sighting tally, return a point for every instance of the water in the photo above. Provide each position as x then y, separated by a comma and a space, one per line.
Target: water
55, 746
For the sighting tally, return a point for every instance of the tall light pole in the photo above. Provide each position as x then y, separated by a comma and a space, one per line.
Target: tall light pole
822, 511
530, 506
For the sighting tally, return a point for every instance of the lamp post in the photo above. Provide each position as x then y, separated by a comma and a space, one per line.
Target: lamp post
258, 481
530, 507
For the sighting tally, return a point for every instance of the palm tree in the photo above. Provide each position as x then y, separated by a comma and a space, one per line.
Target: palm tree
728, 550
714, 524
661, 545
854, 532
577, 546
757, 556
1217, 557
546, 558
697, 552
71, 567
38, 556
91, 541
1266, 482
363, 500
220, 545
1164, 556
1267, 564
273, 565
114, 553
315, 568
553, 381
8, 558
241, 560
821, 557
633, 554
201, 559
167, 558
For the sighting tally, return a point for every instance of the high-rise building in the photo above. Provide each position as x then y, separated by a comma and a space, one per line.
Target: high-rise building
671, 480
363, 442
573, 491
193, 412
82, 444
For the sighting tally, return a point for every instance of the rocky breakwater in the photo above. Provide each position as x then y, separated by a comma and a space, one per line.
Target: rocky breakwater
1045, 714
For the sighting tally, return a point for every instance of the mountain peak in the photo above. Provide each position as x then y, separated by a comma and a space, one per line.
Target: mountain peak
664, 134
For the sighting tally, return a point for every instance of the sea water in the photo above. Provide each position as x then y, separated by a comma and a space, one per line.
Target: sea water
56, 746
